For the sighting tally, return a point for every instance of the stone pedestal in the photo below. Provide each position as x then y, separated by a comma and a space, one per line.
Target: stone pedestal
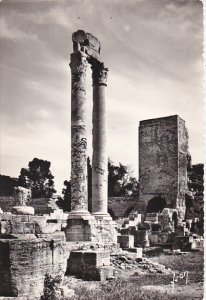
90, 265
141, 238
126, 241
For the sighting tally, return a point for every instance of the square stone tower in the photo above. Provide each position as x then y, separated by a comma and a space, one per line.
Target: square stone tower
163, 149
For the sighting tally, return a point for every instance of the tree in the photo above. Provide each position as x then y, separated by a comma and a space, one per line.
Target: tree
196, 179
38, 178
120, 181
7, 185
120, 184
65, 202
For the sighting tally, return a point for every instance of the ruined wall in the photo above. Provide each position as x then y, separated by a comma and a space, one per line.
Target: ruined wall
182, 164
24, 263
41, 205
163, 144
7, 203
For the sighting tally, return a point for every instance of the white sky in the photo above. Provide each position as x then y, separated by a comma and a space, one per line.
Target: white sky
153, 49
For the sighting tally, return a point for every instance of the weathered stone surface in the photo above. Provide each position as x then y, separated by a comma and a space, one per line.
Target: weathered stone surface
21, 196
126, 241
152, 217
87, 228
44, 206
137, 250
141, 238
28, 224
86, 42
99, 142
7, 203
163, 148
90, 265
23, 210
183, 243
24, 263
41, 206
79, 197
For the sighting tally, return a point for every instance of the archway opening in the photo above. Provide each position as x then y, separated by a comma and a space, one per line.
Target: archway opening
156, 204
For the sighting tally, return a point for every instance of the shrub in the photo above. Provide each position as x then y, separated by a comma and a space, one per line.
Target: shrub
52, 288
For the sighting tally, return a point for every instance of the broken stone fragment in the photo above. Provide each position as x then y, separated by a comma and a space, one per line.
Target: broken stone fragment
21, 196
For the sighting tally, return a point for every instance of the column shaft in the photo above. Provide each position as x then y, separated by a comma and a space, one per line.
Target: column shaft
99, 159
79, 198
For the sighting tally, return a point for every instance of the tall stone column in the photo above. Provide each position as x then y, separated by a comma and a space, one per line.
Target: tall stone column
79, 198
99, 159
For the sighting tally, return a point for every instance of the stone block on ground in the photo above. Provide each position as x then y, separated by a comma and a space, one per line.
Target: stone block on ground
182, 243
22, 210
141, 238
137, 250
90, 265
126, 241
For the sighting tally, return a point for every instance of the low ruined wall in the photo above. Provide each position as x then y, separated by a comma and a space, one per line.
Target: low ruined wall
41, 205
26, 224
24, 263
6, 203
120, 207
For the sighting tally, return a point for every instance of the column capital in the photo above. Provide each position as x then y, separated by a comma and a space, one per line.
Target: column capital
99, 74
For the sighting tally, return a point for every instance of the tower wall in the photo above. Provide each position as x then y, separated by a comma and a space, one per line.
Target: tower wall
163, 147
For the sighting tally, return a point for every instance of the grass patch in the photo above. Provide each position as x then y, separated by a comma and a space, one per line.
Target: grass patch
191, 262
124, 290
132, 287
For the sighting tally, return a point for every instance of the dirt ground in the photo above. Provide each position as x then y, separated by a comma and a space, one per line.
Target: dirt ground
152, 276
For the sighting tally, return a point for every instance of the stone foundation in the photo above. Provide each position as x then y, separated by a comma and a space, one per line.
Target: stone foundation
90, 265
87, 228
24, 264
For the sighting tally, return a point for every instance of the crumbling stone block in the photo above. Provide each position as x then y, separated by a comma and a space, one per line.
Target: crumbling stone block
126, 241
24, 263
141, 238
90, 265
21, 196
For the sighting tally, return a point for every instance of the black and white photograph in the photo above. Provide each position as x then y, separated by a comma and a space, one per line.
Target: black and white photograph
102, 125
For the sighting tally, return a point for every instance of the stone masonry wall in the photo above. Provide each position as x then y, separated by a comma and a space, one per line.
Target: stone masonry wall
41, 205
182, 164
162, 160
7, 203
24, 263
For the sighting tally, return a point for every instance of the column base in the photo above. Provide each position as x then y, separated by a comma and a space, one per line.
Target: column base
79, 214
99, 229
104, 216
79, 226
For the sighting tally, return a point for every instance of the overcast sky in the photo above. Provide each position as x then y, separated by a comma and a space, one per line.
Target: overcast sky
153, 49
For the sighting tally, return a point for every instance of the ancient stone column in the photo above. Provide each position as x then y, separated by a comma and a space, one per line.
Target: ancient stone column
79, 198
99, 159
